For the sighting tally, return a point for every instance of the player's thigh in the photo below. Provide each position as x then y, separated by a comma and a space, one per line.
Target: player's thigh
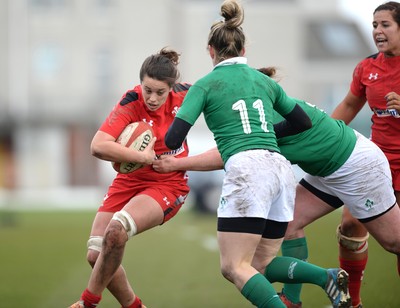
145, 211
397, 194
266, 250
236, 248
350, 226
100, 223
308, 208
386, 229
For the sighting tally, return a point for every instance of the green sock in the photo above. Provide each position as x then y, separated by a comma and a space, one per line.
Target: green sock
291, 270
260, 292
298, 249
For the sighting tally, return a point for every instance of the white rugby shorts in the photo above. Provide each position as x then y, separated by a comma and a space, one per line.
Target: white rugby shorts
258, 183
363, 183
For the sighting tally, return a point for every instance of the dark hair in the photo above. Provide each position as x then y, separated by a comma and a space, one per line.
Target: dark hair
227, 36
161, 66
393, 7
269, 71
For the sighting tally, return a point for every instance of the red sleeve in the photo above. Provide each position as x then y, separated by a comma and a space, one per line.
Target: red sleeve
127, 110
357, 87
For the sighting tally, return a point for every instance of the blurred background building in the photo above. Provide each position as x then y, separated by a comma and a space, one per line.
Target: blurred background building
65, 63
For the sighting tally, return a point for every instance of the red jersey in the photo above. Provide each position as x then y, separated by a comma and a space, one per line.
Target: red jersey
131, 108
373, 78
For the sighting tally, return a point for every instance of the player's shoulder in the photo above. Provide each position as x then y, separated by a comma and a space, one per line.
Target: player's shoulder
179, 91
181, 87
368, 61
130, 96
371, 58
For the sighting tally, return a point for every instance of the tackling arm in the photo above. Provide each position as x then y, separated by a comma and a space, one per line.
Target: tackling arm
295, 122
177, 133
207, 161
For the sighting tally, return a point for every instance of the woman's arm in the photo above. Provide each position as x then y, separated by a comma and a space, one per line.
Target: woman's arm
104, 147
348, 108
295, 122
177, 133
207, 161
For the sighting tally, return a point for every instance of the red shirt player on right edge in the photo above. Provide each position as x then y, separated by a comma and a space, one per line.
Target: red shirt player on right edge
376, 79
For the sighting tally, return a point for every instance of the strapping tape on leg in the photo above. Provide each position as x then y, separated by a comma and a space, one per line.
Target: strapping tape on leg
355, 244
127, 222
95, 243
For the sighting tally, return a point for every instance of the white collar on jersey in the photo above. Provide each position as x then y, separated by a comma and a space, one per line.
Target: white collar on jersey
235, 60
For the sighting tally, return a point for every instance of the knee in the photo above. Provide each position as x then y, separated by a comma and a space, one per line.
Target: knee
351, 226
94, 245
120, 229
228, 271
294, 230
92, 256
115, 236
358, 244
260, 266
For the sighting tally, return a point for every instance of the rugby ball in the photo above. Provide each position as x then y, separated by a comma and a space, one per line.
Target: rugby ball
136, 136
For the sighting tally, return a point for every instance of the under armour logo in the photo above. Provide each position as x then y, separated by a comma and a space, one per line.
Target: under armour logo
373, 76
175, 111
151, 122
165, 199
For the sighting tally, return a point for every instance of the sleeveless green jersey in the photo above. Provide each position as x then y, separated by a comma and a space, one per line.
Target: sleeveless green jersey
323, 148
237, 102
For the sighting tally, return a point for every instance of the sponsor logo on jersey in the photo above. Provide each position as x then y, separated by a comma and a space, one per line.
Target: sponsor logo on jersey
386, 112
174, 152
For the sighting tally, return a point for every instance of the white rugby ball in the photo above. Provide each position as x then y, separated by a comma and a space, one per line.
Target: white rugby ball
136, 136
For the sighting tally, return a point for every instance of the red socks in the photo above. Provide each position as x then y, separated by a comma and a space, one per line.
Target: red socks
137, 303
355, 269
90, 300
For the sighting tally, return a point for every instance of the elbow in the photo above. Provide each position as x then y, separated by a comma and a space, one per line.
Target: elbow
305, 126
171, 144
95, 151
176, 134
308, 124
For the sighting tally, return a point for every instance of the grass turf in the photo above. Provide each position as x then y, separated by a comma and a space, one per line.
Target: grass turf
177, 265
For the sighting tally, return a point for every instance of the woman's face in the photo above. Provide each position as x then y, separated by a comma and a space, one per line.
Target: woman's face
155, 92
386, 33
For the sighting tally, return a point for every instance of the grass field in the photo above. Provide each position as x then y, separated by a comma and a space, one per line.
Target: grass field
176, 266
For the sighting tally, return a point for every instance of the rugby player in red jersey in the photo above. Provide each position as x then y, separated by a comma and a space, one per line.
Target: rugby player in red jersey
143, 199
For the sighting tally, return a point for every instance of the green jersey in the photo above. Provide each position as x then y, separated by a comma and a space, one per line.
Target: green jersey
323, 148
237, 102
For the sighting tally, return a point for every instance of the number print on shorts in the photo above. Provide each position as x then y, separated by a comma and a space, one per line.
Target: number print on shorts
244, 116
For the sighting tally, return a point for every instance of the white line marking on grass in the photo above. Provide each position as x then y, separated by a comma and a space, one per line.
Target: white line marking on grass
210, 243
192, 233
